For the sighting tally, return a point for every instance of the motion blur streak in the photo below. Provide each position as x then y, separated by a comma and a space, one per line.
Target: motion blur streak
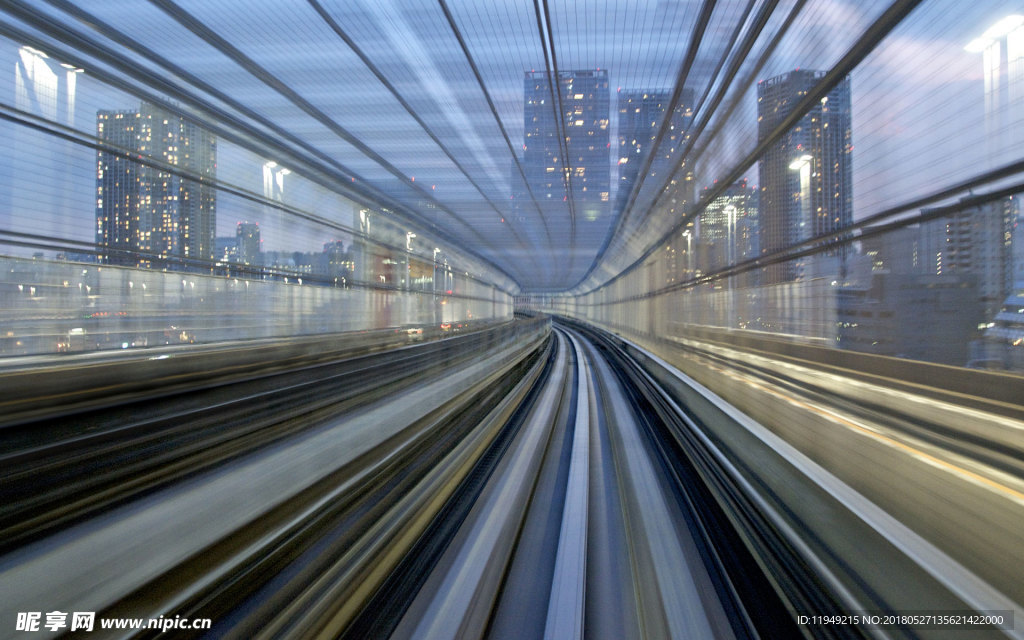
428, 319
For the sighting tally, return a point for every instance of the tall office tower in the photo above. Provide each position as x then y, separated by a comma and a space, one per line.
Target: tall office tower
247, 242
977, 241
732, 218
584, 116
640, 115
226, 251
727, 230
806, 176
148, 215
335, 262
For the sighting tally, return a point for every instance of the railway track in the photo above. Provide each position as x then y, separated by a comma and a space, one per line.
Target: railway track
63, 469
522, 482
998, 448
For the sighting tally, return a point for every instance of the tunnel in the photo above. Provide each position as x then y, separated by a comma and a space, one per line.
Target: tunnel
506, 319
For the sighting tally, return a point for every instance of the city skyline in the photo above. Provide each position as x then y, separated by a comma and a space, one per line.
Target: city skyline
967, 68
433, 143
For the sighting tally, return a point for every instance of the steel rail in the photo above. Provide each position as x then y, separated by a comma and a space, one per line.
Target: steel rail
565, 617
458, 599
219, 501
816, 537
64, 475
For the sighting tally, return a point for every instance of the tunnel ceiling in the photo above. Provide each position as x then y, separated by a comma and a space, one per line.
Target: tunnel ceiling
447, 113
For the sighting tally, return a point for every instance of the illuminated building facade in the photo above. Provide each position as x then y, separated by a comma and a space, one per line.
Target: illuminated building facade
154, 216
640, 114
733, 214
587, 138
335, 261
975, 240
247, 241
806, 176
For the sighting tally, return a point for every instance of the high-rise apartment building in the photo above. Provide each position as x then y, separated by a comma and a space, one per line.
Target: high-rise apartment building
151, 215
806, 176
735, 207
728, 226
640, 116
335, 262
247, 241
975, 240
583, 162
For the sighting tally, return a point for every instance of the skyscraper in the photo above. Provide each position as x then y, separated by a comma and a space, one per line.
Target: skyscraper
806, 176
587, 143
974, 240
247, 241
640, 114
729, 223
335, 263
150, 215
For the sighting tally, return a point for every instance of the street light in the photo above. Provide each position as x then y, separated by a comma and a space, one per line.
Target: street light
1000, 29
730, 212
1001, 60
433, 286
803, 165
433, 277
800, 162
689, 261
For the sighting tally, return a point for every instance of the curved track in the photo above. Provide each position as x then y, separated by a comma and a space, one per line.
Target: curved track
521, 482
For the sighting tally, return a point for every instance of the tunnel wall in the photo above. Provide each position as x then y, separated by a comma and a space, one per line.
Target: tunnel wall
62, 306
